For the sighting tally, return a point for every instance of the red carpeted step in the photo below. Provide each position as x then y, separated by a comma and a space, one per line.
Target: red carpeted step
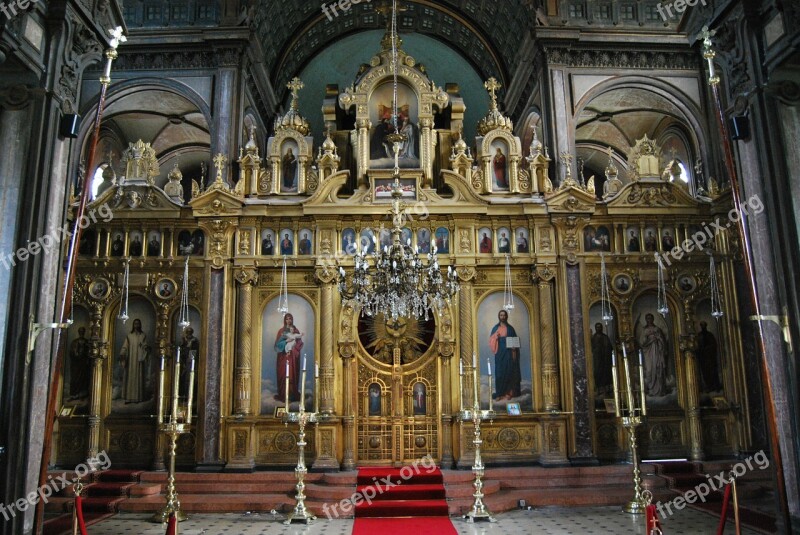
104, 504
395, 508
406, 475
119, 475
402, 492
107, 489
422, 525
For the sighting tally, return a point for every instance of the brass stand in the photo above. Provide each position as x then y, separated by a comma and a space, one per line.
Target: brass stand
479, 511
172, 430
638, 504
300, 512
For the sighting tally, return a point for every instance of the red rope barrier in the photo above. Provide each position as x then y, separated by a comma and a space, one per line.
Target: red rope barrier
79, 512
723, 517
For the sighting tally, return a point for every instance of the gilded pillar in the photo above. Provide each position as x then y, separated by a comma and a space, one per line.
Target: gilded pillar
688, 345
326, 278
427, 143
446, 354
363, 126
98, 352
246, 278
466, 318
550, 373
347, 351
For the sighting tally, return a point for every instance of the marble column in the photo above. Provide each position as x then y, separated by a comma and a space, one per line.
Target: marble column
209, 421
688, 346
466, 318
244, 321
580, 389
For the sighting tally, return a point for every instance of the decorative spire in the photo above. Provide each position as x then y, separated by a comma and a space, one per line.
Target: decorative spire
494, 120
293, 120
611, 169
251, 147
566, 161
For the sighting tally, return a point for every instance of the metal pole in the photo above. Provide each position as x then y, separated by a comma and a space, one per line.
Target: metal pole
72, 258
744, 237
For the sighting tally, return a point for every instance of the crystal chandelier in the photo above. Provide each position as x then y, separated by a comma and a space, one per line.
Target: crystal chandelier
394, 281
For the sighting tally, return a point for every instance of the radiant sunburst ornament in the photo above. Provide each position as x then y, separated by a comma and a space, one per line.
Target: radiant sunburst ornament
605, 294
123, 313
661, 300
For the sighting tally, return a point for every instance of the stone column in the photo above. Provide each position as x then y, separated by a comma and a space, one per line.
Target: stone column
466, 317
246, 278
550, 374
209, 420
347, 352
688, 345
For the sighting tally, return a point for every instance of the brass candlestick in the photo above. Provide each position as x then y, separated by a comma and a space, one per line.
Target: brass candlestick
300, 513
173, 429
631, 417
478, 512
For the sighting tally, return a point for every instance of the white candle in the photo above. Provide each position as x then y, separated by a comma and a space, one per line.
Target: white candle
489, 365
460, 367
286, 386
304, 363
615, 380
473, 360
316, 371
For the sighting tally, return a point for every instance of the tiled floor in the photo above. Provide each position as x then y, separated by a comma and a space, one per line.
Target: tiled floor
544, 521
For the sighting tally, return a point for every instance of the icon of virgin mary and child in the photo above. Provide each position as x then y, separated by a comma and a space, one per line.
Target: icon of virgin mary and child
288, 344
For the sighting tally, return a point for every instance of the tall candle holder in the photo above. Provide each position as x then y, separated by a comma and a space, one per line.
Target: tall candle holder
172, 428
631, 418
478, 512
300, 513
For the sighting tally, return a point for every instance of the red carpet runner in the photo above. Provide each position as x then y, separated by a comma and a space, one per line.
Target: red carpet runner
399, 501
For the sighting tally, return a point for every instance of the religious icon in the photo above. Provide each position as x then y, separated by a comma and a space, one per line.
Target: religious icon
79, 367
134, 358
687, 283
419, 393
305, 246
368, 241
503, 241
601, 361
650, 240
707, 355
267, 242
442, 240
652, 340
500, 169
190, 347
505, 346
289, 170
596, 240
288, 346
385, 238
286, 243
136, 246
424, 241
154, 243
88, 242
185, 245
382, 155
622, 283
198, 242
633, 240
349, 246
165, 288
405, 236
118, 245
485, 240
99, 289
374, 399
523, 246
667, 241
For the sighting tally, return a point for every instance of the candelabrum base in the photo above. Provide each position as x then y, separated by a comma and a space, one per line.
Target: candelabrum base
162, 517
300, 516
634, 507
479, 514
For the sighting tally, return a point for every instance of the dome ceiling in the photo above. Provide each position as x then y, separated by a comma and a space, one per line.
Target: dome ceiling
487, 32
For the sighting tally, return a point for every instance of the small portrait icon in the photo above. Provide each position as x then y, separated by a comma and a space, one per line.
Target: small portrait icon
99, 289
165, 289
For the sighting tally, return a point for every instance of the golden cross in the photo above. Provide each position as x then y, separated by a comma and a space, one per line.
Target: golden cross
295, 86
706, 35
219, 162
492, 86
566, 158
